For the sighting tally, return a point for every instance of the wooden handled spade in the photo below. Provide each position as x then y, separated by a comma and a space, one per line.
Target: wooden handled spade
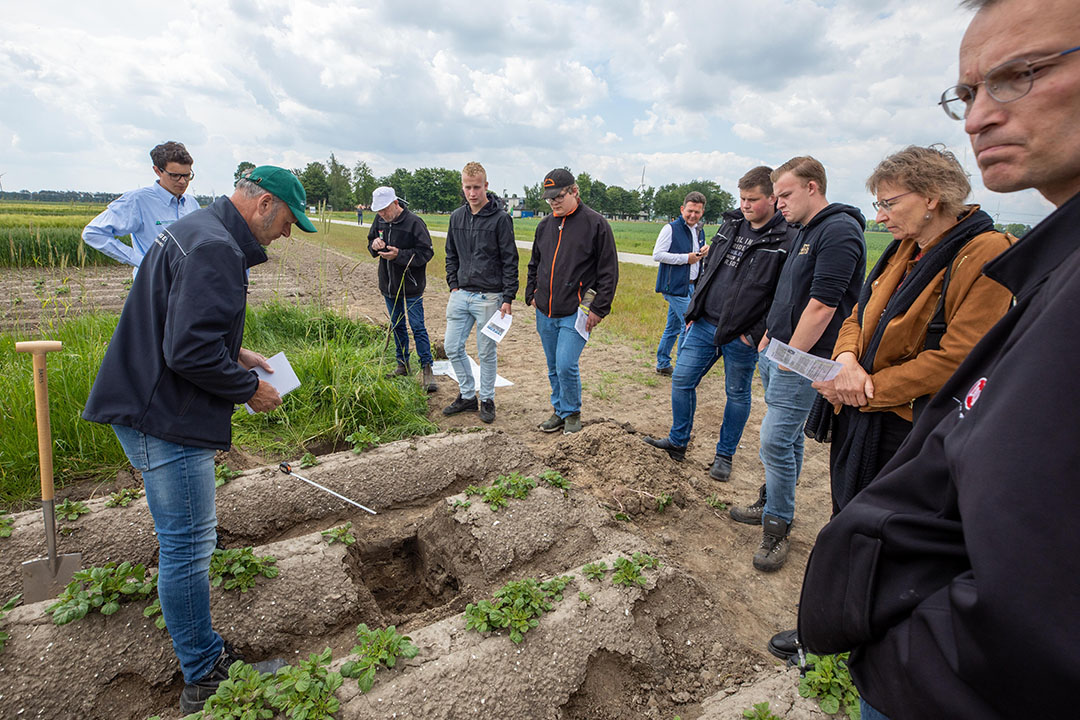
45, 578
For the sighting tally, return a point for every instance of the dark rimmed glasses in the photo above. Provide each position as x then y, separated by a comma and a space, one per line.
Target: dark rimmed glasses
559, 197
177, 177
1007, 82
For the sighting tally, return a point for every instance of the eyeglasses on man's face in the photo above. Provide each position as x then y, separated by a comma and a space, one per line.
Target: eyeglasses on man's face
177, 177
559, 198
1007, 82
886, 205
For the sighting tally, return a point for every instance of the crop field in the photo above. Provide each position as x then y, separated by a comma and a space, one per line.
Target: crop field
508, 573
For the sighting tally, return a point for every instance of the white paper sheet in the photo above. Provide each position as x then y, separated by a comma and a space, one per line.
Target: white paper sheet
497, 326
283, 378
811, 367
445, 367
580, 325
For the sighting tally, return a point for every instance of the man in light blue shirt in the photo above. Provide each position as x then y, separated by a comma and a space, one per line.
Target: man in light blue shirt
145, 212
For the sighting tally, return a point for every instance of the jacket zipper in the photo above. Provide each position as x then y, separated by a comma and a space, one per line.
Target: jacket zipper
551, 276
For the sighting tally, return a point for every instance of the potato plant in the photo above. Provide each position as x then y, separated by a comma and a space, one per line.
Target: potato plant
6, 523
68, 510
244, 696
223, 474
305, 691
516, 606
5, 609
376, 648
829, 681
102, 589
238, 568
339, 534
123, 497
498, 494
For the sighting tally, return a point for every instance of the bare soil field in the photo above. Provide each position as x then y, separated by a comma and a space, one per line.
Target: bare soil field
690, 643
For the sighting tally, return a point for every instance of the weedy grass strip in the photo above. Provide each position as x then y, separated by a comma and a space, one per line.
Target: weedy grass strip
337, 359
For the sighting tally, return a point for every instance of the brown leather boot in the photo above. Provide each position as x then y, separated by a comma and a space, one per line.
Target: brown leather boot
428, 380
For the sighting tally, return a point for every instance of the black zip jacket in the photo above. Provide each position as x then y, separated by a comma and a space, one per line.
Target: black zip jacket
746, 301
827, 263
405, 275
170, 370
955, 575
572, 254
480, 252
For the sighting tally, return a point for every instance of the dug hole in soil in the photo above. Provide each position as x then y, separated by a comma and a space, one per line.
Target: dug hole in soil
691, 642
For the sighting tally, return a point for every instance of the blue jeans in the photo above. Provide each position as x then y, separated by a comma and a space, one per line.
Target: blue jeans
179, 484
398, 308
788, 397
869, 712
562, 348
697, 355
675, 328
463, 310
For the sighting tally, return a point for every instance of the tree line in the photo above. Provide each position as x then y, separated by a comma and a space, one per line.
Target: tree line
438, 190
1017, 230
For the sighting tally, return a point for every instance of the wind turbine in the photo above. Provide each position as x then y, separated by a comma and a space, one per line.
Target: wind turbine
1, 183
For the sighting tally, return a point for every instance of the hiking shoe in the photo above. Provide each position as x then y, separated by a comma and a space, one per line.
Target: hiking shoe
773, 551
460, 405
487, 411
572, 423
665, 371
401, 370
552, 424
785, 645
721, 468
676, 453
194, 695
428, 379
751, 514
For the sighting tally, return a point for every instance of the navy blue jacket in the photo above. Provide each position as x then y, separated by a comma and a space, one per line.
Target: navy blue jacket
675, 279
827, 263
170, 370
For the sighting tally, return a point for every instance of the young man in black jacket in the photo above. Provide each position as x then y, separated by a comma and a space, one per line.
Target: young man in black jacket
482, 272
403, 245
170, 378
954, 577
573, 253
727, 316
817, 290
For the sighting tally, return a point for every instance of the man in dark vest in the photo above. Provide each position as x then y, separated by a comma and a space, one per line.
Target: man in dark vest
680, 248
727, 317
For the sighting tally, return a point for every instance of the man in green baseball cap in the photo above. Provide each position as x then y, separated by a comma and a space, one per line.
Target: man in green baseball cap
285, 186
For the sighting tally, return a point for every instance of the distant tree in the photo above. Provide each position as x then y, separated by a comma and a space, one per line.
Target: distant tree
339, 186
648, 197
623, 202
402, 182
363, 183
1015, 229
313, 178
534, 198
241, 169
669, 199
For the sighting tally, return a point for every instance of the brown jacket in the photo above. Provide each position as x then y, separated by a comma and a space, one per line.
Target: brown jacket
903, 371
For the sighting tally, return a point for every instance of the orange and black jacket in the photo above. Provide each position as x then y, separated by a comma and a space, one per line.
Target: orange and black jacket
572, 254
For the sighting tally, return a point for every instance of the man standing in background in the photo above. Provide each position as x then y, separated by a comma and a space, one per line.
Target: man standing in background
573, 253
679, 249
482, 272
145, 212
402, 243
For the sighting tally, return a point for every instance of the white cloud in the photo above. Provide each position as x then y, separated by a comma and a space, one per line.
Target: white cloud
696, 89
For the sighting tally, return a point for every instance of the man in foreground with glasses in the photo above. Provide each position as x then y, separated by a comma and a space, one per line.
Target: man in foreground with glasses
573, 255
145, 212
955, 576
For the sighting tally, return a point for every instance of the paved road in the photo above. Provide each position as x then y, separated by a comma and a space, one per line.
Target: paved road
625, 257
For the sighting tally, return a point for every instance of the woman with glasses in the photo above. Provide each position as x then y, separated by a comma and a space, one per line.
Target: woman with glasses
906, 336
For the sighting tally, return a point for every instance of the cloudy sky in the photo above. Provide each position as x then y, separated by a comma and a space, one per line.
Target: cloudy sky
682, 90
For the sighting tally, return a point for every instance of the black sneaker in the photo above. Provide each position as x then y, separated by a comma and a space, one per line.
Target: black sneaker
751, 514
665, 371
460, 405
676, 453
487, 411
785, 645
194, 695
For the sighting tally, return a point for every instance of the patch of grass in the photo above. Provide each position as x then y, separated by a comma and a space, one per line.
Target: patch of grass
340, 362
